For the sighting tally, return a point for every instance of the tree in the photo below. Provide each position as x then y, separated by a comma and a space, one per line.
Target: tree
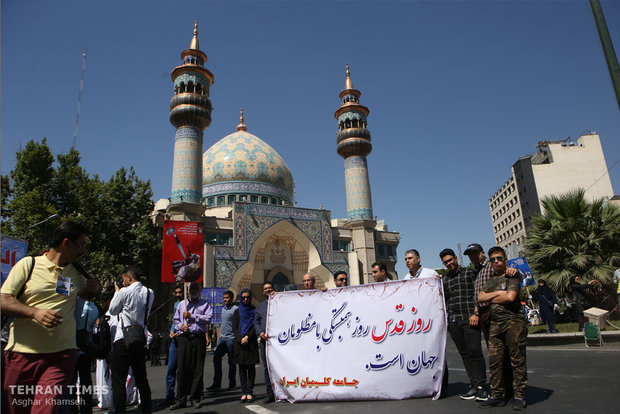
574, 237
116, 212
26, 197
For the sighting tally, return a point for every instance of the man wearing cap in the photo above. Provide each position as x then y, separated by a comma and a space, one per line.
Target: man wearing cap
412, 260
483, 266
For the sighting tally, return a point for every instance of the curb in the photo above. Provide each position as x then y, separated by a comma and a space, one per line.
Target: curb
568, 338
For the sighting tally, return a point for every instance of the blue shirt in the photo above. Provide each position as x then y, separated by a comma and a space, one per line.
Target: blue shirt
227, 317
87, 320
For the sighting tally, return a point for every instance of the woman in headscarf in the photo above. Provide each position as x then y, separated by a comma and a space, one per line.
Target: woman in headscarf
546, 304
246, 344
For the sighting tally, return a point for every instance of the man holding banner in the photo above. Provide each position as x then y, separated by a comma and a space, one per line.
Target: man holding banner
260, 325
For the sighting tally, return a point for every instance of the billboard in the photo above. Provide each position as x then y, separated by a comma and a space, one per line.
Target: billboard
182, 253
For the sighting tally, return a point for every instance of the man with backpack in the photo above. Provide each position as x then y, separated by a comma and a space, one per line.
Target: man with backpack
41, 294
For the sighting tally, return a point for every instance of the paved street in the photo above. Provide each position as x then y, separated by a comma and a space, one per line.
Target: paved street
562, 379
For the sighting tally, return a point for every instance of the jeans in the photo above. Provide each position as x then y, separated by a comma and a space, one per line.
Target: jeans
224, 347
467, 341
171, 374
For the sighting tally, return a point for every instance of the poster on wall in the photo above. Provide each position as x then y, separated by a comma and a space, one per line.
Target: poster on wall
381, 341
182, 252
215, 297
12, 251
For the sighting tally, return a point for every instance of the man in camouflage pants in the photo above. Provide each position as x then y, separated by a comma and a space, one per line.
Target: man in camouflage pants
508, 332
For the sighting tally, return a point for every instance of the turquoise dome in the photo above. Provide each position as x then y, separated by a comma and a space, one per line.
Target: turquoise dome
242, 165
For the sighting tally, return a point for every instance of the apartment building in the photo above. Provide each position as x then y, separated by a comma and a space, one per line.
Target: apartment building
556, 168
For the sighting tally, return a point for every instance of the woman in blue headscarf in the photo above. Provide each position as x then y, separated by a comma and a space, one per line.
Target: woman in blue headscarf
246, 344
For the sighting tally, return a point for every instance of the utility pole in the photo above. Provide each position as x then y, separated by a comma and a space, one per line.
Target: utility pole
608, 47
79, 103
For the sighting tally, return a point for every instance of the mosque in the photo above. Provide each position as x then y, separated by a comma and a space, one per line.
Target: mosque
243, 192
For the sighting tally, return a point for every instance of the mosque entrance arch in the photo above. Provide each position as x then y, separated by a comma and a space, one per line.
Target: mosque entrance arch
282, 255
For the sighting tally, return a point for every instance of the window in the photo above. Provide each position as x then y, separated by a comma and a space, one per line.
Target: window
232, 199
210, 201
220, 200
221, 239
264, 200
385, 252
254, 199
341, 246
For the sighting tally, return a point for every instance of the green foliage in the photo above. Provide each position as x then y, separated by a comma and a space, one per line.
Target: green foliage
116, 212
574, 237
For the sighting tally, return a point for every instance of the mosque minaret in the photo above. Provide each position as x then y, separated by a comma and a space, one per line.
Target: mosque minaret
190, 113
354, 145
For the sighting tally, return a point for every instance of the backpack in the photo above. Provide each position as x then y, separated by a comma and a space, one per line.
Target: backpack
102, 339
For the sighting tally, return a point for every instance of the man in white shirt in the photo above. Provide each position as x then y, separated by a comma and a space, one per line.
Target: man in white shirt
412, 260
133, 302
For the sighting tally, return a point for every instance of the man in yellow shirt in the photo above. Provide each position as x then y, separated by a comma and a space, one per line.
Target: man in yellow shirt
41, 352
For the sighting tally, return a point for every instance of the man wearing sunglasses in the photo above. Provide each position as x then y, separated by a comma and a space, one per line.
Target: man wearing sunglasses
508, 333
463, 323
340, 278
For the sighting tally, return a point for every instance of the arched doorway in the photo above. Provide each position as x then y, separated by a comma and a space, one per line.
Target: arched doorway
281, 283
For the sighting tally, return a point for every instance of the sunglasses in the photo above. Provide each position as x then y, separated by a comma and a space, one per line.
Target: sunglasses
341, 280
497, 259
245, 297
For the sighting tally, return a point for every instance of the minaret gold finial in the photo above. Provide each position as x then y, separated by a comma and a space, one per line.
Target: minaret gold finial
241, 126
194, 44
349, 83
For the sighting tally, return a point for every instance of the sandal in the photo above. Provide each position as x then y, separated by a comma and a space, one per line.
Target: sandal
249, 399
243, 399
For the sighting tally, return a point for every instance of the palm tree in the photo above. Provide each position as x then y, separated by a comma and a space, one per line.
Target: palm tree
574, 237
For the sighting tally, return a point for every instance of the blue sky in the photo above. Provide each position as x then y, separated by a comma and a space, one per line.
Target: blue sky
457, 91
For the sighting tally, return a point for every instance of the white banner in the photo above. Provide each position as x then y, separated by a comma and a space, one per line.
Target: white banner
382, 341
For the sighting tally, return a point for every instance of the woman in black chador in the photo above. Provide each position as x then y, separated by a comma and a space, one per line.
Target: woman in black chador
546, 303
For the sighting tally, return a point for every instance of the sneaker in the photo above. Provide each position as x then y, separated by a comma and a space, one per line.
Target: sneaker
492, 402
518, 404
481, 394
469, 395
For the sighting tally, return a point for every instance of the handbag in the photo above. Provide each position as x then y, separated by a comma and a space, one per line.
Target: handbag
134, 336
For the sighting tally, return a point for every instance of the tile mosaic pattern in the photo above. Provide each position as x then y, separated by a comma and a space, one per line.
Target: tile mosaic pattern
359, 200
242, 158
186, 165
251, 221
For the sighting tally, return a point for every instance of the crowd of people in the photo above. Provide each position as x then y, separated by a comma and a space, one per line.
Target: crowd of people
50, 299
